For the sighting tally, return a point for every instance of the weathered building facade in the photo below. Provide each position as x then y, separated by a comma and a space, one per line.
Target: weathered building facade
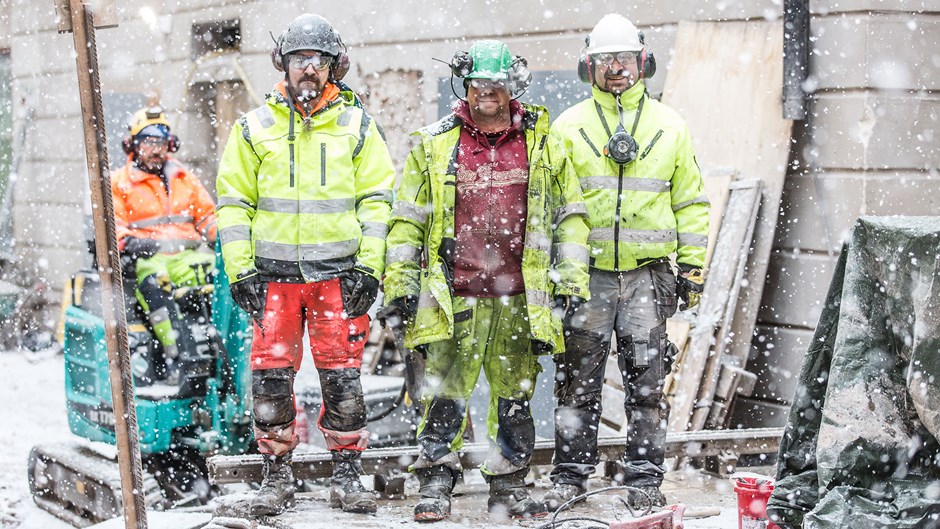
871, 145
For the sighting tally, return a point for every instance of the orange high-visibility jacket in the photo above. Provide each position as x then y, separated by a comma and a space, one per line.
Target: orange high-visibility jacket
180, 219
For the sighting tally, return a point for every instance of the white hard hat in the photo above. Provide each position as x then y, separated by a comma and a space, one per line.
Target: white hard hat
613, 33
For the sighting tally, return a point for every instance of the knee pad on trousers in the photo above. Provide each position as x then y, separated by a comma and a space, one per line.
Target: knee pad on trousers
575, 384
273, 394
515, 434
646, 399
343, 408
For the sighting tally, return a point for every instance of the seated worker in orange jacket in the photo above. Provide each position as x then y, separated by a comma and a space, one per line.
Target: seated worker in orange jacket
162, 215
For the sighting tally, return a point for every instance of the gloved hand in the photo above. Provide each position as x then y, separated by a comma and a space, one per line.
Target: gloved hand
689, 286
566, 306
140, 248
250, 294
399, 311
359, 290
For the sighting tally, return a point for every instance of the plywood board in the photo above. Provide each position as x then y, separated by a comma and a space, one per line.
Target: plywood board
725, 79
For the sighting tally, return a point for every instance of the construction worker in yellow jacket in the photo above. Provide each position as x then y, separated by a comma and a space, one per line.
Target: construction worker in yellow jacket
487, 249
646, 201
305, 192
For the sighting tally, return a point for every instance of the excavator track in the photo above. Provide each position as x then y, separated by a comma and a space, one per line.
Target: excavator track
80, 485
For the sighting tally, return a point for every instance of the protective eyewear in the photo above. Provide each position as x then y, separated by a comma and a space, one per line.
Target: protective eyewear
319, 62
623, 57
152, 141
489, 84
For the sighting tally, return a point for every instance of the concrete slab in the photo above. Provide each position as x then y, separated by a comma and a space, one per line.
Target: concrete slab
163, 520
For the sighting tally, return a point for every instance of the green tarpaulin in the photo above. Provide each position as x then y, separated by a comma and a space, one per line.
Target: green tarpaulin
860, 448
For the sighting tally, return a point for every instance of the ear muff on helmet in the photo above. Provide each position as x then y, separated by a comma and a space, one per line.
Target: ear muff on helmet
518, 75
311, 32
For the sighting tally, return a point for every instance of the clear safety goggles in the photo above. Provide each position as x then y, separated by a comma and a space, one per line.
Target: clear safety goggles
623, 57
153, 142
489, 84
300, 62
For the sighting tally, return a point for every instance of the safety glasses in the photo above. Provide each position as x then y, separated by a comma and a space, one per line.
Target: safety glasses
623, 57
300, 62
489, 84
153, 142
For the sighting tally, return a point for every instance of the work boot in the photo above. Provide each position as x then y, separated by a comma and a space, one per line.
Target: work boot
277, 487
346, 490
644, 498
560, 494
508, 495
437, 484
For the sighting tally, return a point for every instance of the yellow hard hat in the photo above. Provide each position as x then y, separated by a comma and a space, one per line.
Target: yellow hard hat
145, 117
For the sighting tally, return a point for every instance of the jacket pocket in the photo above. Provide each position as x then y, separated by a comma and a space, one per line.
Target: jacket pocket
664, 288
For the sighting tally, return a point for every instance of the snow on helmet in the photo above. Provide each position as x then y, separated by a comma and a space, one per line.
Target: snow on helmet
313, 33
491, 60
613, 33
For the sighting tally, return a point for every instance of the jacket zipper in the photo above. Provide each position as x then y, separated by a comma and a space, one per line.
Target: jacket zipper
617, 221
323, 164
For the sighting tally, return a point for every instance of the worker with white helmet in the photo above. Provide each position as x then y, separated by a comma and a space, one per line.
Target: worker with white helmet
645, 197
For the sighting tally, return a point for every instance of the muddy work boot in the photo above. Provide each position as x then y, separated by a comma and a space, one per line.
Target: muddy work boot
346, 490
560, 494
277, 487
508, 496
644, 498
437, 484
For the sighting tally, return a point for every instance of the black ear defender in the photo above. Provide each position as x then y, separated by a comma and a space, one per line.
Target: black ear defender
519, 76
338, 69
461, 64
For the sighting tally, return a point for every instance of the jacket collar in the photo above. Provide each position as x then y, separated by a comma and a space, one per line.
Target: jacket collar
332, 95
629, 99
171, 168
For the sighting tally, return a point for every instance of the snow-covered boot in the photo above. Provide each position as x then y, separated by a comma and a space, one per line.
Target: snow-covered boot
346, 490
560, 494
277, 487
643, 498
437, 484
508, 495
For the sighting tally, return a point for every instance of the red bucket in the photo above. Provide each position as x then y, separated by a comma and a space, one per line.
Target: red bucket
753, 491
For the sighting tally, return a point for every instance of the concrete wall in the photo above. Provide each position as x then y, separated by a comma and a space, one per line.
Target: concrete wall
870, 147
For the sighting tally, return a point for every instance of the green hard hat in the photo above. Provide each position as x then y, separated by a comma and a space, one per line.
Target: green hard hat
491, 60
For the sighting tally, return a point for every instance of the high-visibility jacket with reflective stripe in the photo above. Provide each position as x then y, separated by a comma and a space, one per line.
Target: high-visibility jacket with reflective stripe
304, 202
646, 209
179, 219
555, 253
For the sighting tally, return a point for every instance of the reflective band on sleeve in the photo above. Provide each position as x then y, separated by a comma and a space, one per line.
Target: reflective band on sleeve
410, 211
574, 251
374, 229
156, 221
235, 233
307, 207
693, 239
537, 241
382, 195
697, 200
401, 253
538, 298
636, 236
652, 185
232, 201
306, 252
569, 209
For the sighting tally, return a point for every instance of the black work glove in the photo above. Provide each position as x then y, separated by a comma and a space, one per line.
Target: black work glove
398, 312
250, 294
689, 285
566, 306
359, 291
140, 248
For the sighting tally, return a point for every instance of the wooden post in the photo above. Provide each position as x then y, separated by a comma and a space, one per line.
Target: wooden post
112, 293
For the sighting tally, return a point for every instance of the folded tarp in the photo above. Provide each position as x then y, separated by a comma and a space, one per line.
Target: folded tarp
860, 448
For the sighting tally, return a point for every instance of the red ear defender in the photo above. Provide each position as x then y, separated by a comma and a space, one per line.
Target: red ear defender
127, 145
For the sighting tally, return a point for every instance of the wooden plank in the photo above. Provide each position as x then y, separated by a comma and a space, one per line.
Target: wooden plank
377, 461
694, 377
726, 80
717, 187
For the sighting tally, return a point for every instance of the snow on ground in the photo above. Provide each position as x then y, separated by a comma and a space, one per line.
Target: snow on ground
32, 393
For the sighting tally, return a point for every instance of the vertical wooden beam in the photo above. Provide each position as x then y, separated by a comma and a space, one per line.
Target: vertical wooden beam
109, 267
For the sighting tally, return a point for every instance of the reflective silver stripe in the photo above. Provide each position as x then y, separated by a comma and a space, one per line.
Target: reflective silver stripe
235, 233
159, 316
306, 252
697, 200
264, 116
653, 185
410, 211
382, 195
204, 220
401, 253
569, 209
426, 300
156, 221
539, 298
306, 207
178, 245
374, 229
572, 250
204, 230
693, 239
639, 236
232, 201
537, 241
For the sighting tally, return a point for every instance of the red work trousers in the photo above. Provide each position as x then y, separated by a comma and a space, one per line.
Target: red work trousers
336, 343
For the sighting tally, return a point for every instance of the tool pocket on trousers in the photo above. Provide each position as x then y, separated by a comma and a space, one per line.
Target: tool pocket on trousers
664, 289
357, 334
